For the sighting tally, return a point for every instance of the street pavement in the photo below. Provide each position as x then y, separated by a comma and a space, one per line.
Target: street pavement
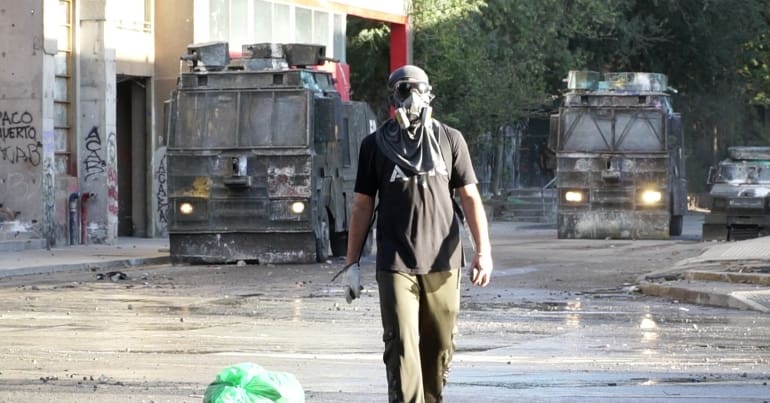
727, 274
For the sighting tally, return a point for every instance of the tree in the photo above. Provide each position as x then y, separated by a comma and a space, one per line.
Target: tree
492, 62
755, 69
702, 48
368, 53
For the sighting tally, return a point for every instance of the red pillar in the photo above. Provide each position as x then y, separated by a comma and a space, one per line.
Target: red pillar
399, 46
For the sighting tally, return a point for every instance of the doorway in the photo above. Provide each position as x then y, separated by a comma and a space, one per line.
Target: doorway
131, 138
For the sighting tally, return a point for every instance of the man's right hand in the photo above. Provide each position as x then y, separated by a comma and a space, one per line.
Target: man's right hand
352, 283
480, 270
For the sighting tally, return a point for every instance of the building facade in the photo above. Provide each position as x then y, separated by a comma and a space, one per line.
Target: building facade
82, 89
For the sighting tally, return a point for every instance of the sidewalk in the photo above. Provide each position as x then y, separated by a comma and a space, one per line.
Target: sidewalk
124, 253
727, 274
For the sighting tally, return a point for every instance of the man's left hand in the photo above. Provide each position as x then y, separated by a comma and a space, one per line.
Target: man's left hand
480, 270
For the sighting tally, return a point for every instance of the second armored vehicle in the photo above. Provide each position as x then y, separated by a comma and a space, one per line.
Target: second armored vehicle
740, 196
619, 163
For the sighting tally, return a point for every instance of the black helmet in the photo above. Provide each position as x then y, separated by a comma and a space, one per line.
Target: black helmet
408, 73
403, 79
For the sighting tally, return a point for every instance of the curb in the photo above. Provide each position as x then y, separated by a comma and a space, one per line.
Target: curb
759, 279
730, 295
75, 267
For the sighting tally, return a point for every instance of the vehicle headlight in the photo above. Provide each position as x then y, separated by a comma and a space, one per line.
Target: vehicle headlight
297, 207
574, 196
186, 208
651, 197
293, 210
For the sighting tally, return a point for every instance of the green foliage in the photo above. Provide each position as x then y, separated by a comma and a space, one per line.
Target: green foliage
445, 35
755, 69
492, 62
702, 47
368, 53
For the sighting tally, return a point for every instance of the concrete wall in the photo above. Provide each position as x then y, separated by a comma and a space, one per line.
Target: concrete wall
173, 32
52, 202
33, 193
134, 46
96, 130
34, 185
111, 42
378, 8
23, 125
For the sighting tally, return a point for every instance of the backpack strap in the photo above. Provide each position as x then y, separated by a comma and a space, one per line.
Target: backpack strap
446, 152
445, 144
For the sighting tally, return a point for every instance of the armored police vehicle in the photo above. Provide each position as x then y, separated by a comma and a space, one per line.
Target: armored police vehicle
619, 162
261, 155
740, 196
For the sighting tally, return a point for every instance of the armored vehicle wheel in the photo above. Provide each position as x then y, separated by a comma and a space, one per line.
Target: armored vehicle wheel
675, 225
714, 232
742, 233
339, 243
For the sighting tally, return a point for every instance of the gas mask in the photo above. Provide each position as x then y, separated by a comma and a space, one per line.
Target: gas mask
412, 101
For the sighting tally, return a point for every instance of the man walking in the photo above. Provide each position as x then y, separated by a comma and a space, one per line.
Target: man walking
413, 164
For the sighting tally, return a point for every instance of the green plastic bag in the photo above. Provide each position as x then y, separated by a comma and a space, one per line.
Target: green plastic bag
250, 383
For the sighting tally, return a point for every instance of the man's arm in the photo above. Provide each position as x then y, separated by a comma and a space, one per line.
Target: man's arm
481, 267
360, 216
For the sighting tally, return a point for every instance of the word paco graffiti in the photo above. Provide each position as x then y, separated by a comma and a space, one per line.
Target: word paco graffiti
17, 125
18, 139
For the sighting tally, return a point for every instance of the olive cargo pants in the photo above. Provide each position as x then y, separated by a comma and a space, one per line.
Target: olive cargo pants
419, 314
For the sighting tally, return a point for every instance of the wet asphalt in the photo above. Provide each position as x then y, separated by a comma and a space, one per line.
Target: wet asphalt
561, 321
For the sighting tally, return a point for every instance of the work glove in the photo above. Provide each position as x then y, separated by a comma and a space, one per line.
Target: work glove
352, 281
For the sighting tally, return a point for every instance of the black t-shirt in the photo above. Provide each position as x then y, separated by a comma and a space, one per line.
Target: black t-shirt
417, 231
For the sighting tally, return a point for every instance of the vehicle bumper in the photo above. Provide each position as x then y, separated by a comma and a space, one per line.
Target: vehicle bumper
614, 224
221, 248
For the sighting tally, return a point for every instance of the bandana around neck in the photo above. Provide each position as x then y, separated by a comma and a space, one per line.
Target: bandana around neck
415, 148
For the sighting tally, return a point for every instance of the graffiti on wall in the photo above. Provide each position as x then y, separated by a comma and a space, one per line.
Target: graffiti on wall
161, 197
160, 189
93, 162
18, 139
100, 166
49, 189
17, 190
112, 185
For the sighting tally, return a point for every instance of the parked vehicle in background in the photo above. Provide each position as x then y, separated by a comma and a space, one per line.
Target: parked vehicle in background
619, 160
261, 156
740, 196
